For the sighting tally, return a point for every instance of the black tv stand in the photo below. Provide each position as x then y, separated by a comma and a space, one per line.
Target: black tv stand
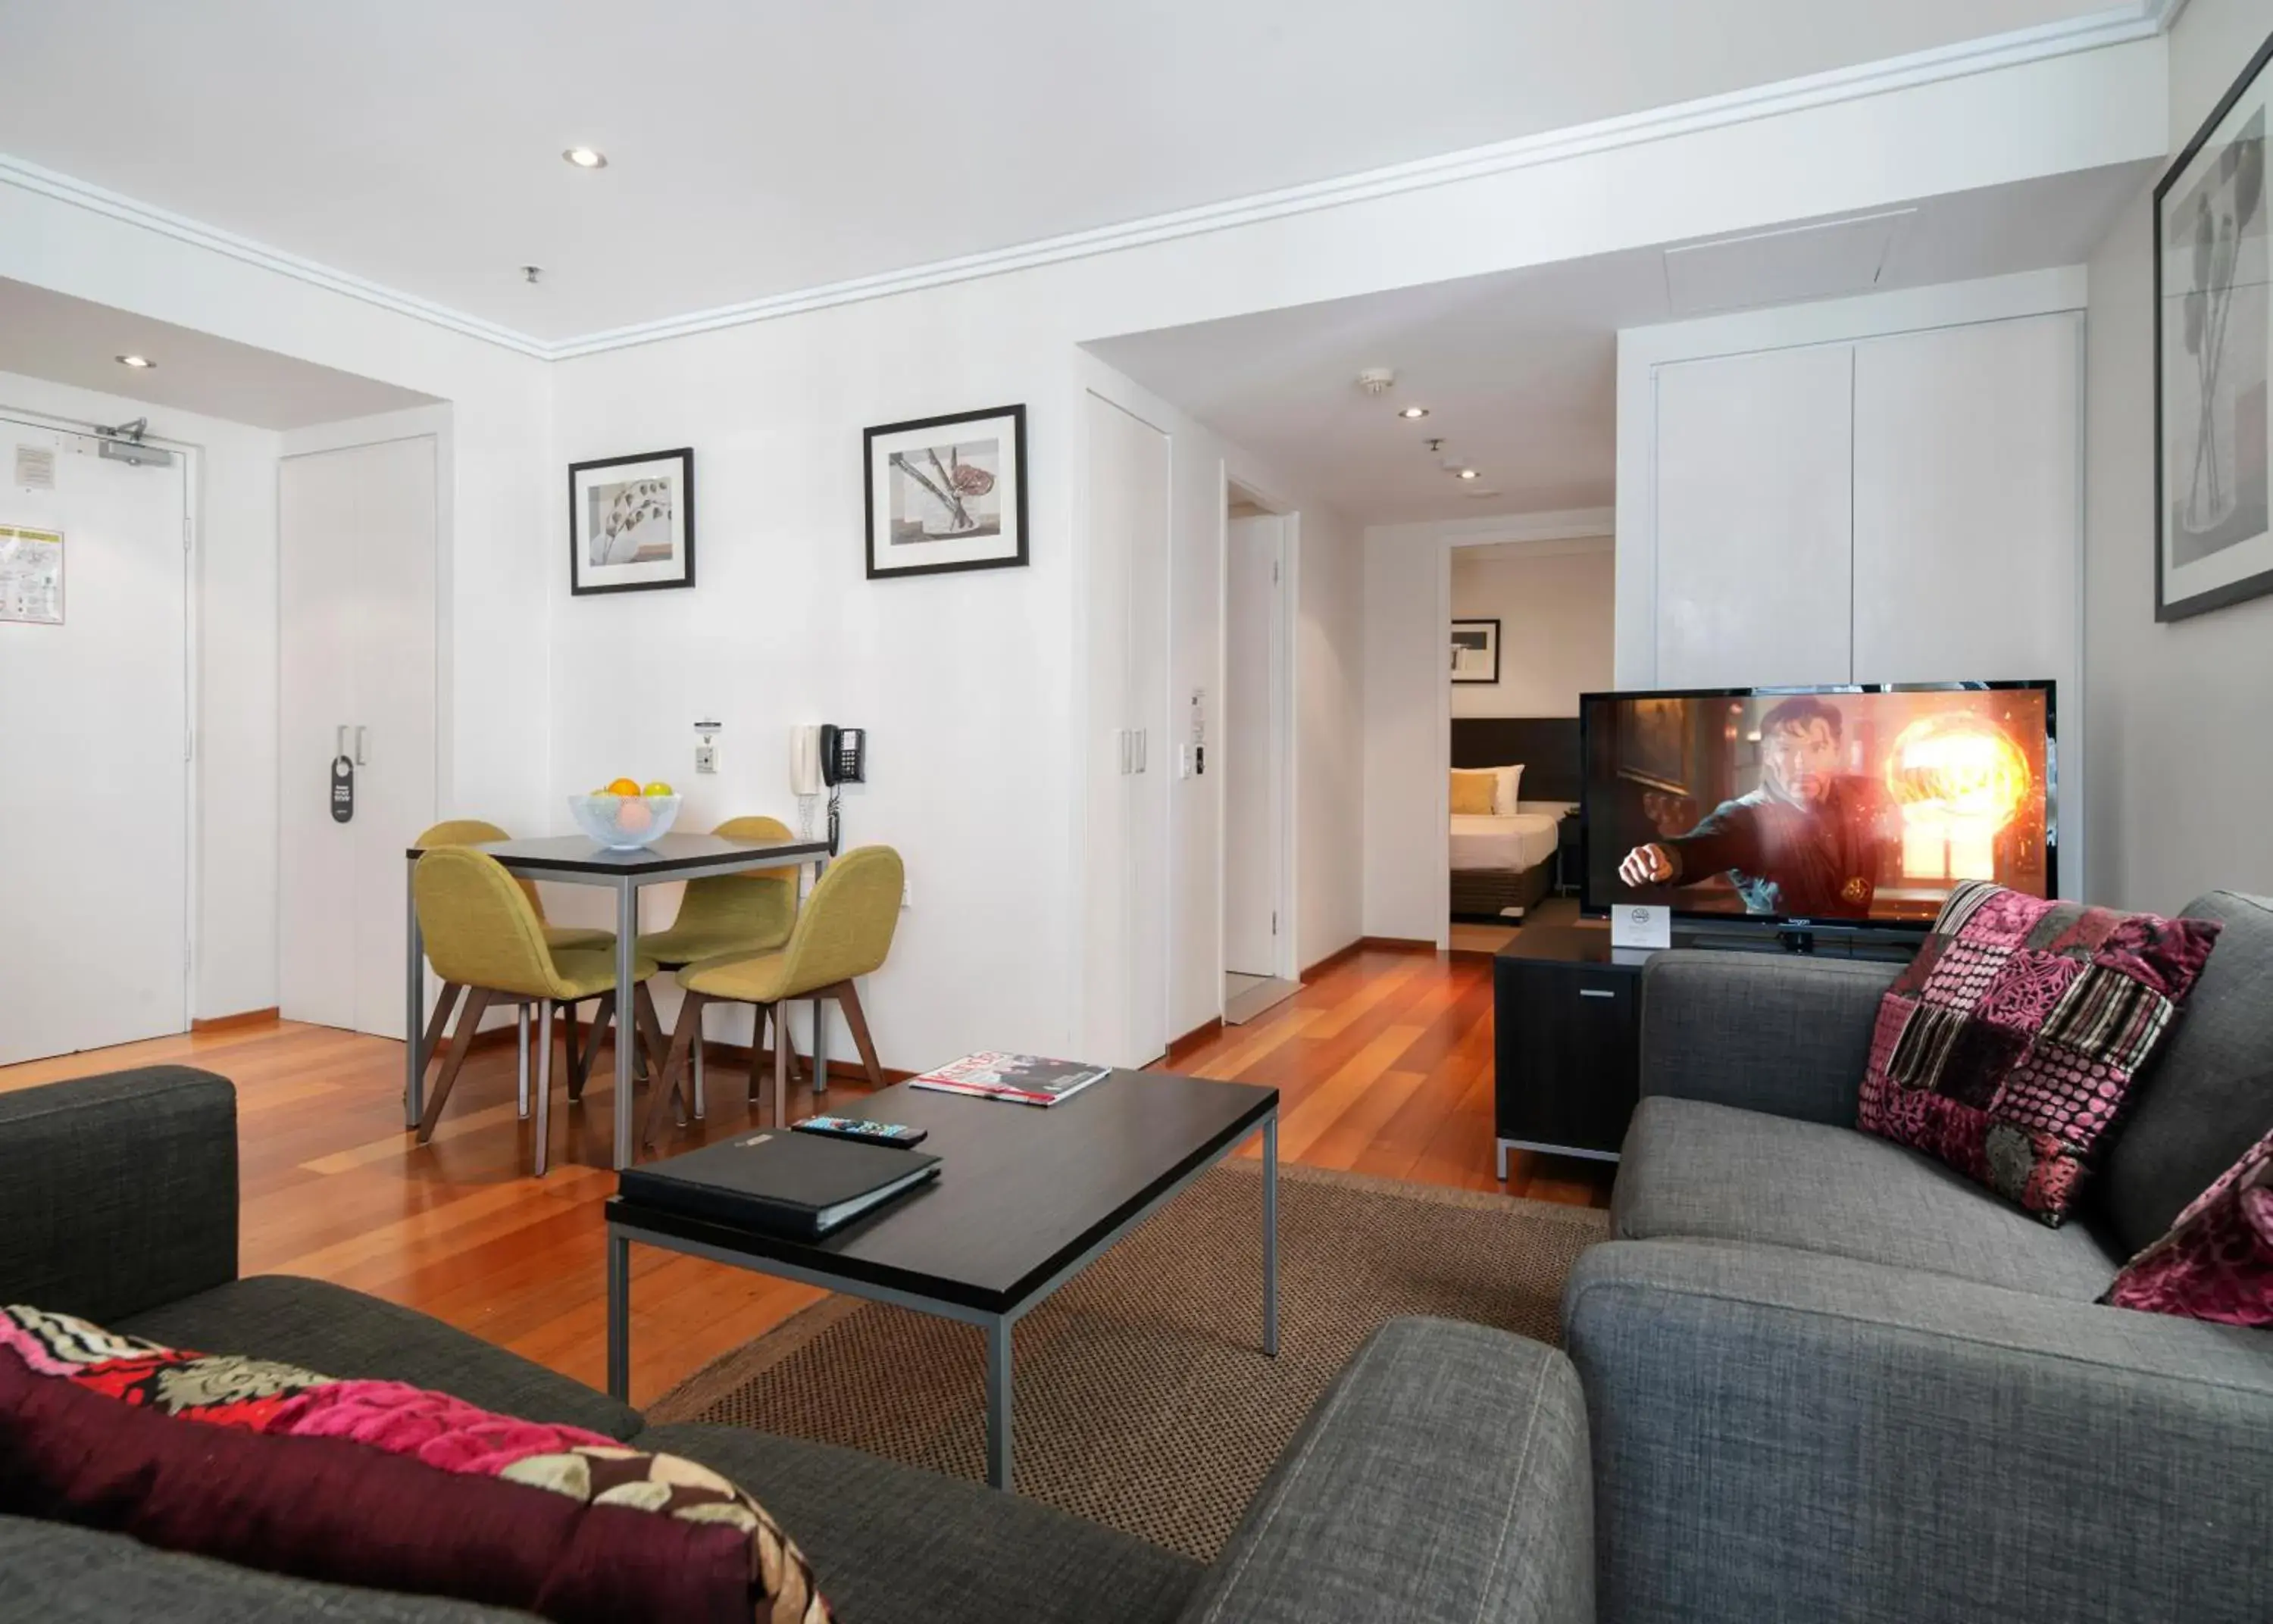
1886, 946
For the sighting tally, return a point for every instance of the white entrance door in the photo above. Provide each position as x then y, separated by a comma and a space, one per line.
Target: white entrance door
357, 531
94, 736
1254, 746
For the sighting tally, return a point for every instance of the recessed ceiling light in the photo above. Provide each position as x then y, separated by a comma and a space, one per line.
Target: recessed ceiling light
1415, 411
1468, 473
140, 363
586, 158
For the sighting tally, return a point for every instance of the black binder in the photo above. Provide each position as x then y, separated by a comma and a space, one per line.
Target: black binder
801, 1185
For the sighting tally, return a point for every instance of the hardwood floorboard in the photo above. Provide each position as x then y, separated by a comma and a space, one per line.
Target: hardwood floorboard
1384, 1066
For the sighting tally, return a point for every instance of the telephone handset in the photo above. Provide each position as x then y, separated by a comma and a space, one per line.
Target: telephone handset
827, 755
844, 755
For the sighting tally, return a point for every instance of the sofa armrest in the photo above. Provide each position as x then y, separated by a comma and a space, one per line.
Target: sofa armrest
117, 1192
1784, 1433
1443, 1478
1770, 1032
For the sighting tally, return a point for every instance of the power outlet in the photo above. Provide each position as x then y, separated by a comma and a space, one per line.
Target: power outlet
907, 894
706, 758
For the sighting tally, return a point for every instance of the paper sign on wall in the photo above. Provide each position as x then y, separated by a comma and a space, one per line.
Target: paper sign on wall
1634, 925
32, 575
35, 467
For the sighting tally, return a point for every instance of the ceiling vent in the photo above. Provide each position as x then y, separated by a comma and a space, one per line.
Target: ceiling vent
1789, 266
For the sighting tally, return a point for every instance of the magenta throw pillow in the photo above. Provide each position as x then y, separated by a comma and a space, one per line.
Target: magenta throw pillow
2217, 1261
2007, 1046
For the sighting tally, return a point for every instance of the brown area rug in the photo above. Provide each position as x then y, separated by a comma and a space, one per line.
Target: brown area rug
1141, 1398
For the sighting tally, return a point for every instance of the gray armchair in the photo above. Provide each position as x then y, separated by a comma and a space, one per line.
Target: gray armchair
1828, 1379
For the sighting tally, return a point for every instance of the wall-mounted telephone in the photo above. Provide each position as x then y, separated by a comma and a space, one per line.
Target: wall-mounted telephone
827, 755
844, 755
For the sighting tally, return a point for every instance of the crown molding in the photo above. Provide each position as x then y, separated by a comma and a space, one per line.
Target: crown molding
2137, 19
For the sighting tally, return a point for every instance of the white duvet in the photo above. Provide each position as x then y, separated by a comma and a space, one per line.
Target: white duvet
1523, 840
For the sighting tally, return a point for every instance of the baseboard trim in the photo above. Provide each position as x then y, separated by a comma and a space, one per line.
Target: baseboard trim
1333, 961
1397, 943
1180, 1050
243, 1017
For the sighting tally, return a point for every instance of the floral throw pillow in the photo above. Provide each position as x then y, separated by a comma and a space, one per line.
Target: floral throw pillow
2217, 1260
377, 1483
2007, 1046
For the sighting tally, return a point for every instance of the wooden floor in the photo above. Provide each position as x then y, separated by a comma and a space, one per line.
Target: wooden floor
1384, 1064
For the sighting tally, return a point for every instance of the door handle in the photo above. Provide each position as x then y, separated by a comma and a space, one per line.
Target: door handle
340, 742
359, 755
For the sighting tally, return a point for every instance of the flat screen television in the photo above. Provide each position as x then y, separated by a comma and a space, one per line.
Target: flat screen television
1859, 806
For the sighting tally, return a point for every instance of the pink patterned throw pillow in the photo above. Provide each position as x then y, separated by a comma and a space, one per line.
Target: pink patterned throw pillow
2217, 1260
2005, 1048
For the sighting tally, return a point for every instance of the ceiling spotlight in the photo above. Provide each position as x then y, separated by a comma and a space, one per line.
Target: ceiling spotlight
1414, 411
139, 362
586, 158
1468, 473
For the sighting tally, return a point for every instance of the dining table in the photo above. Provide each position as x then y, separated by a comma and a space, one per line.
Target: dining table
578, 860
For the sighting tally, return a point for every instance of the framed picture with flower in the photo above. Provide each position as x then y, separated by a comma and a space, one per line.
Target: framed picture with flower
631, 522
2213, 357
947, 493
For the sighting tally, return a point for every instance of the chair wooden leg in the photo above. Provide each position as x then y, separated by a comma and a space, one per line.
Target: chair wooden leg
848, 999
544, 1085
477, 1004
653, 1044
438, 1023
601, 1017
669, 1073
566, 1019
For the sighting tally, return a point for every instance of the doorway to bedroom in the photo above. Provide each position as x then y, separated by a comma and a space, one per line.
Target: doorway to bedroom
1529, 631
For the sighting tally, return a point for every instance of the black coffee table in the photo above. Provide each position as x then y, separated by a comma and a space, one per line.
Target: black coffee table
1026, 1197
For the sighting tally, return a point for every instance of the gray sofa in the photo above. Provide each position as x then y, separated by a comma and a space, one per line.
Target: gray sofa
1828, 1379
1444, 1477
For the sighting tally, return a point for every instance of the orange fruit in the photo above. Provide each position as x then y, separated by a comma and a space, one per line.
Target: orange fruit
624, 786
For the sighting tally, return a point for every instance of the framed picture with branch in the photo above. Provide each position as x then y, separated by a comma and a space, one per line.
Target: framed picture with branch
947, 493
631, 522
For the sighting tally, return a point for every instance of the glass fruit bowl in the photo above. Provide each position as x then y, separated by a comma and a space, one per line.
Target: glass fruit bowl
625, 822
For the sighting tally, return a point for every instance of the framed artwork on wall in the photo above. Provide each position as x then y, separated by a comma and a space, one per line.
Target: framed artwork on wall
2213, 355
1475, 651
631, 522
947, 493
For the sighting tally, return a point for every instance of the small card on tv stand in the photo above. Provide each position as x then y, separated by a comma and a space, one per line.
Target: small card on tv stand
1640, 925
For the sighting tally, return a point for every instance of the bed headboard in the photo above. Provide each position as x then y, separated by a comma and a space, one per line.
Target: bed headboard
1547, 746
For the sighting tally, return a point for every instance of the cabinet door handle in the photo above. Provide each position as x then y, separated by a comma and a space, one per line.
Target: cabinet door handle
1596, 992
360, 760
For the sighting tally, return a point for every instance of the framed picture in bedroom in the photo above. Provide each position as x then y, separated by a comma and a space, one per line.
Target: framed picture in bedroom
631, 522
947, 493
1475, 651
2213, 355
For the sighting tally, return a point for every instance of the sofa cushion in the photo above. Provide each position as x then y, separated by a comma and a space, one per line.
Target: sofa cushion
2210, 1094
61, 1574
897, 1545
330, 1329
1698, 1171
2006, 1047
2216, 1262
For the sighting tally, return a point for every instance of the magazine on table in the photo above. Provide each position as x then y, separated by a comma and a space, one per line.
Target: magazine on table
1021, 1079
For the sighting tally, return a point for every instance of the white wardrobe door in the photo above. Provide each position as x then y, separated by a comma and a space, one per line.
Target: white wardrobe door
1754, 499
393, 736
1250, 747
93, 769
1967, 448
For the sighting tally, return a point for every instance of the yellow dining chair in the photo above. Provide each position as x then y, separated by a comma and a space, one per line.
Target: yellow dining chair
476, 832
845, 929
483, 934
728, 915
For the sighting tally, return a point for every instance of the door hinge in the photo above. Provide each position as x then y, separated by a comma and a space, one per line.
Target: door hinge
1274, 572
1274, 922
190, 744
185, 533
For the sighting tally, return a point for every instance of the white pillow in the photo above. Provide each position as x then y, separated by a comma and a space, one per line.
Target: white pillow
1507, 780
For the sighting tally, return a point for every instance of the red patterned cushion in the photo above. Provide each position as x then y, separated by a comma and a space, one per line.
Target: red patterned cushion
376, 1483
2217, 1261
2005, 1048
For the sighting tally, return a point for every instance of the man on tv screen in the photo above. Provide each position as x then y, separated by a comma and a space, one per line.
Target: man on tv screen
1811, 842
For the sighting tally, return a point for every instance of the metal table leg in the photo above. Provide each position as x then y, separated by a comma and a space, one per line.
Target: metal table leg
1270, 1234
414, 1031
820, 1048
619, 1318
627, 1017
521, 1086
998, 1404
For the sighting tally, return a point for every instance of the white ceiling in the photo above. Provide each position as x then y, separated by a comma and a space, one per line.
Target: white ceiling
1518, 368
759, 147
69, 340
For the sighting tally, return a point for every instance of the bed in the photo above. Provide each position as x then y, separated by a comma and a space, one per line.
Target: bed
1504, 864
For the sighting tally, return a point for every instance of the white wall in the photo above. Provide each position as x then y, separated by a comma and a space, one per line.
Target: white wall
2183, 768
1553, 602
1408, 705
233, 608
1328, 735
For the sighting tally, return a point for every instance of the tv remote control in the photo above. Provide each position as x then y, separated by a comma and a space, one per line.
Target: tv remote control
867, 1133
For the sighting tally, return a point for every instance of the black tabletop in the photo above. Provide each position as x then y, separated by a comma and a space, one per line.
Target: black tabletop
671, 854
1022, 1190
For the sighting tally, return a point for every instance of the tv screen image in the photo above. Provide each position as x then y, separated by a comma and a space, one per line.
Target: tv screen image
1862, 804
